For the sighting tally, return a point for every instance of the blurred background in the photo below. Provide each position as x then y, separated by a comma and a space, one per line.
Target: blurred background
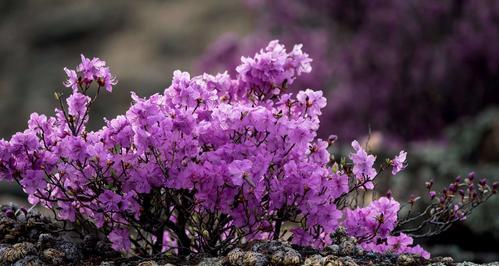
421, 75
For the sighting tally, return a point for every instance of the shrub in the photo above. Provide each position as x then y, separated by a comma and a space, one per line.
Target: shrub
210, 162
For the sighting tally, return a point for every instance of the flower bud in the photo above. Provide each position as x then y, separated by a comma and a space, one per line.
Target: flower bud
429, 184
471, 176
432, 194
9, 213
332, 139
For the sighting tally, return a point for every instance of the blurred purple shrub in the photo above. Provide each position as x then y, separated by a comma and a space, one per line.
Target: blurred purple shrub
406, 68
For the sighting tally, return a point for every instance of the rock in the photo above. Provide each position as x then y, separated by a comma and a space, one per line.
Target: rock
252, 258
332, 249
53, 256
246, 258
18, 251
467, 263
209, 262
3, 248
315, 260
292, 258
348, 261
71, 251
148, 263
447, 260
359, 251
45, 239
280, 253
289, 257
235, 257
332, 260
406, 260
347, 248
29, 261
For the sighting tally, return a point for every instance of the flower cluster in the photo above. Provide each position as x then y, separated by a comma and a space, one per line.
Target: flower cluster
207, 163
87, 71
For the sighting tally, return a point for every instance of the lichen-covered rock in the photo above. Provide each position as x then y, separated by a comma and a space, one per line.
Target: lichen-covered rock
235, 257
28, 238
333, 249
45, 240
279, 253
252, 258
148, 263
53, 256
406, 260
347, 248
332, 260
211, 262
30, 260
348, 261
314, 260
71, 251
18, 251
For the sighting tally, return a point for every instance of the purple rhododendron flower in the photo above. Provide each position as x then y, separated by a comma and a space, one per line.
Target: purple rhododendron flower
72, 81
399, 162
90, 70
363, 165
120, 239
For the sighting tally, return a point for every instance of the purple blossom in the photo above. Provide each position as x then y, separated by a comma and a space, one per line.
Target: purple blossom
312, 102
363, 164
273, 66
120, 239
400, 242
90, 68
87, 71
339, 185
418, 250
77, 104
72, 81
34, 181
399, 162
240, 171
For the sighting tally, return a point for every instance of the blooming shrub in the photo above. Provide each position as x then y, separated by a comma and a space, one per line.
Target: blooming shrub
210, 162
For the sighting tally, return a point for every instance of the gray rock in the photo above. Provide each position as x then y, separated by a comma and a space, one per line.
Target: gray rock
148, 263
18, 251
44, 240
211, 262
31, 260
53, 256
405, 260
332, 249
71, 251
315, 260
467, 263
252, 258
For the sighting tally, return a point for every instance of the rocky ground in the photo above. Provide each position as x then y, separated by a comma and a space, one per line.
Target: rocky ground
29, 238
